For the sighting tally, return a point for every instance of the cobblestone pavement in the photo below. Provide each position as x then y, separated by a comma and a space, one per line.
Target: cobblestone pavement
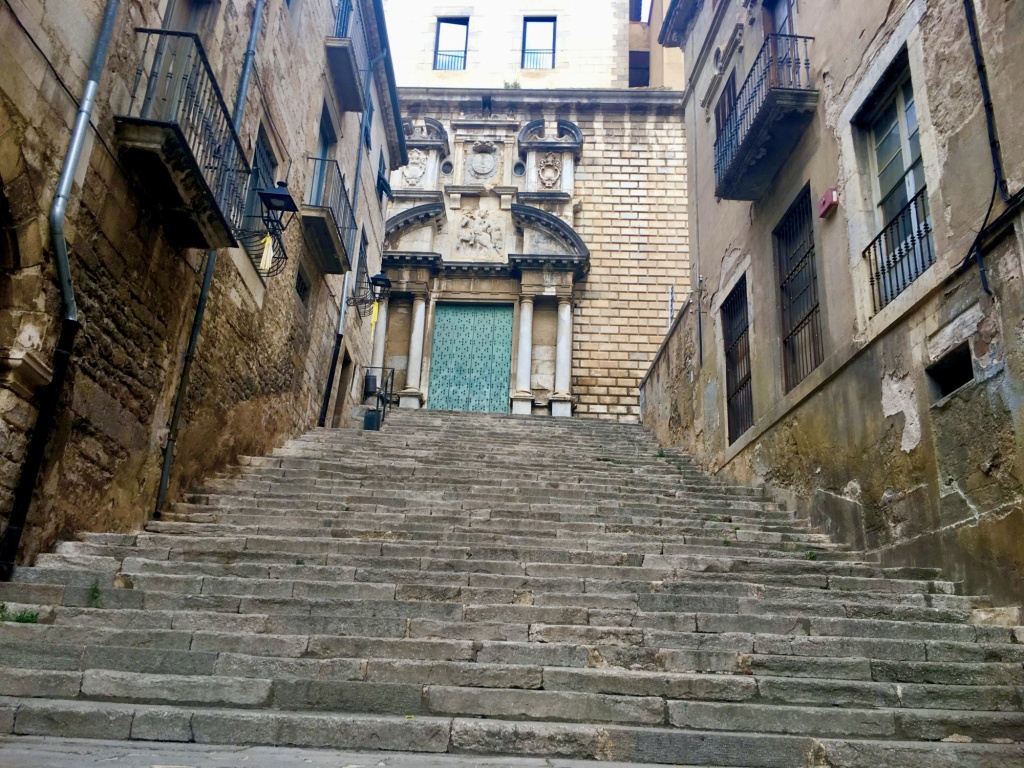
32, 752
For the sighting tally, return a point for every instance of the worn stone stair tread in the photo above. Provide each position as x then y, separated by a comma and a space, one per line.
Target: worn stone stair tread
517, 586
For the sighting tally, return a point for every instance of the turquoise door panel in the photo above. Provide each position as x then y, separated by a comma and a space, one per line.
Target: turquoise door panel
471, 359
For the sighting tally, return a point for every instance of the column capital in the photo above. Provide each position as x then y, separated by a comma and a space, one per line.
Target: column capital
524, 297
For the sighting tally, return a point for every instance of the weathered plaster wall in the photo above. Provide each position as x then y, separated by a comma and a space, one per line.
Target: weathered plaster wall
262, 359
862, 445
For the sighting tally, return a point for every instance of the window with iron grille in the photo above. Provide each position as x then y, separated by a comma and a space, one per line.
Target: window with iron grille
539, 42
450, 43
903, 249
726, 103
368, 125
302, 286
798, 291
739, 395
264, 169
383, 185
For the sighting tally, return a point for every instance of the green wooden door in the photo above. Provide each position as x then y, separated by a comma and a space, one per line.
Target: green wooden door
471, 361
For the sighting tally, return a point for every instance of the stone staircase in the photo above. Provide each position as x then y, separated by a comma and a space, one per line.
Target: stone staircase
505, 586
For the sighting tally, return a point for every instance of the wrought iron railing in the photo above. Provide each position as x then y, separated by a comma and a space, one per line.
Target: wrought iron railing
382, 395
450, 60
784, 62
539, 59
902, 251
174, 84
327, 190
348, 24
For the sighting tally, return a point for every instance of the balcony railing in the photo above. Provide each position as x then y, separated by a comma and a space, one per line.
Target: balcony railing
539, 59
902, 252
347, 57
327, 215
771, 112
450, 60
175, 89
327, 190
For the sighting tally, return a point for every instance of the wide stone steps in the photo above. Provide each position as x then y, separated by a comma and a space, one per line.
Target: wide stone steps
488, 585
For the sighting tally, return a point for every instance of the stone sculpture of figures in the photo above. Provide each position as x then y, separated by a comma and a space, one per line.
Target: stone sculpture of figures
477, 232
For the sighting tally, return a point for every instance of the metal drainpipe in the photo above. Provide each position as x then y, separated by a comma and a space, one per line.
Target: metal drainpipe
363, 127
70, 322
986, 93
211, 262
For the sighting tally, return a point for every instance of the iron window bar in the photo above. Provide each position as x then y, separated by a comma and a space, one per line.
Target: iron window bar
174, 83
347, 24
738, 381
543, 58
449, 60
327, 190
784, 62
901, 252
798, 292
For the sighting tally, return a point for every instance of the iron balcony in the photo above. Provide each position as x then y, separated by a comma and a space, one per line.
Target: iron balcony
347, 57
772, 111
178, 141
327, 219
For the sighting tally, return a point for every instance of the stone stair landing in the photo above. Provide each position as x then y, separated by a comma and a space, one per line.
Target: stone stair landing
489, 585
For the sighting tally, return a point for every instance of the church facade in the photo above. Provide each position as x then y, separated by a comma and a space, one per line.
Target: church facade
534, 242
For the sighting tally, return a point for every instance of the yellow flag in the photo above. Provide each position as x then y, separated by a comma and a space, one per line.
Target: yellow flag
268, 254
373, 317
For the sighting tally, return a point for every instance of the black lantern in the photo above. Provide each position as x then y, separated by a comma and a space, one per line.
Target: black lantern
277, 201
380, 286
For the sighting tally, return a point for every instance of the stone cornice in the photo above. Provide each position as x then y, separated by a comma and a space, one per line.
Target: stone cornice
399, 259
24, 372
578, 265
434, 99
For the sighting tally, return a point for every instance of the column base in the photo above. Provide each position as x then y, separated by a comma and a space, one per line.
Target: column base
522, 404
411, 399
561, 406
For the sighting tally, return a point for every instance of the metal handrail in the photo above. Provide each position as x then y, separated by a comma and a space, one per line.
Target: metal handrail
384, 395
539, 58
181, 89
327, 190
449, 60
783, 62
902, 251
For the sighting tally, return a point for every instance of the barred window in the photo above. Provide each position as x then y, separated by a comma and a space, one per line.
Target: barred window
736, 340
798, 291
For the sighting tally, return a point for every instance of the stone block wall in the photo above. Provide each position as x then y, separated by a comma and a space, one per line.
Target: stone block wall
632, 183
263, 355
592, 43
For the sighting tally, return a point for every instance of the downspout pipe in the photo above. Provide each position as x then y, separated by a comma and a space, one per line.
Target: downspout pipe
248, 62
364, 126
70, 322
986, 93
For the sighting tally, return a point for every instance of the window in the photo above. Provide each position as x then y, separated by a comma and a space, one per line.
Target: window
450, 43
639, 69
954, 370
779, 17
322, 158
302, 287
903, 249
368, 125
726, 103
383, 185
736, 341
539, 42
798, 291
264, 171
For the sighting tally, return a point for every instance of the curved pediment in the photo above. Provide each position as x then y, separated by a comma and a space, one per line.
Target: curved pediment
556, 231
533, 137
413, 218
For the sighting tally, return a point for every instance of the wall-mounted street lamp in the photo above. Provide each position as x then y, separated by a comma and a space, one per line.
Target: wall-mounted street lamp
380, 286
277, 205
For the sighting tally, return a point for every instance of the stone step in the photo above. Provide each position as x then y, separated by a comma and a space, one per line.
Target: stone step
74, 719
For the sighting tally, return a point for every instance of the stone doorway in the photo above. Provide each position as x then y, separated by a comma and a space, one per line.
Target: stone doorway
471, 362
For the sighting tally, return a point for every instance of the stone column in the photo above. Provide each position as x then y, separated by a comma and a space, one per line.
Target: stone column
380, 335
412, 395
561, 400
522, 400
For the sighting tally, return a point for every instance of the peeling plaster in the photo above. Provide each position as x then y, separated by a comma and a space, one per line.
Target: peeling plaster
900, 396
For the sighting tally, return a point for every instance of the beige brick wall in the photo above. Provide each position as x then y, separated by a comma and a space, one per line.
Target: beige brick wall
592, 43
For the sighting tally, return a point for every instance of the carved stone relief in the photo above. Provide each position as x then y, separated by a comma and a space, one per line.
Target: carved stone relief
482, 162
549, 170
413, 173
480, 234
